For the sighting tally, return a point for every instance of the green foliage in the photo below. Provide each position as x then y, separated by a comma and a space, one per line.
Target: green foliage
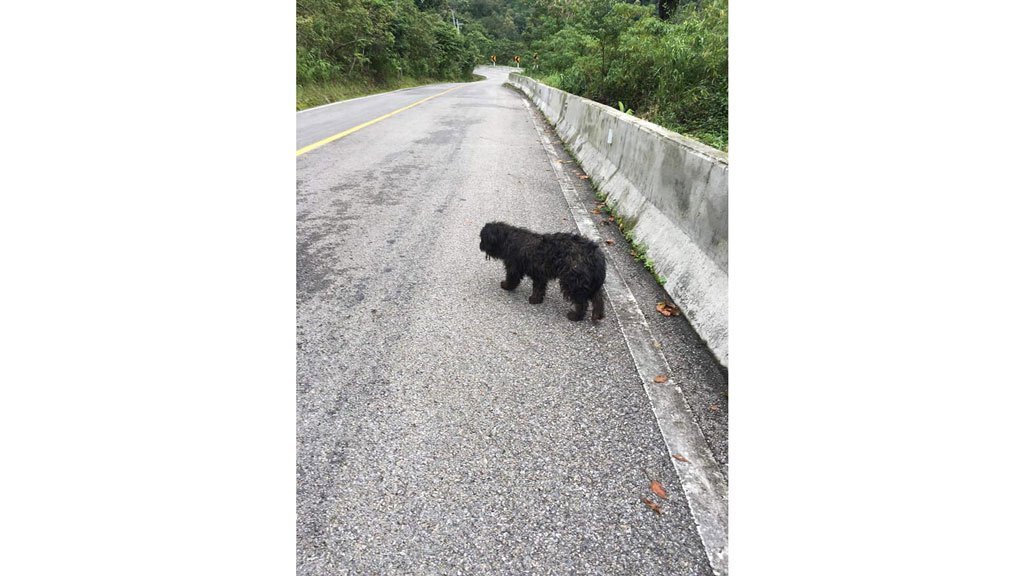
380, 42
673, 72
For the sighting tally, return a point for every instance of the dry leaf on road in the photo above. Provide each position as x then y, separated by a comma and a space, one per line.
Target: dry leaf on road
667, 309
660, 379
658, 489
680, 457
651, 505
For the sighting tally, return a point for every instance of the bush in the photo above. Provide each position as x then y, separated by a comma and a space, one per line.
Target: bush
378, 41
674, 73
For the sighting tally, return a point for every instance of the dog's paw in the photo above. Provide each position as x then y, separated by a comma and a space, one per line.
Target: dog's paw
536, 299
574, 316
504, 285
595, 317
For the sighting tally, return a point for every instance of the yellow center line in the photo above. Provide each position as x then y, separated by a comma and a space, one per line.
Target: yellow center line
330, 139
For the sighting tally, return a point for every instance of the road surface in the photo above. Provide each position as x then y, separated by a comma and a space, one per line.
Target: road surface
446, 426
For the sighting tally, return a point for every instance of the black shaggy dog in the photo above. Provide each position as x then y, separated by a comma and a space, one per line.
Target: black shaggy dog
575, 261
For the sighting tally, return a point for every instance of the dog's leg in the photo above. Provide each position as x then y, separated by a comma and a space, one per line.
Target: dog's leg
579, 309
512, 278
598, 311
539, 287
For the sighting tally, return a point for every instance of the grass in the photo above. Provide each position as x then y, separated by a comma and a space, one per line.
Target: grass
310, 95
637, 250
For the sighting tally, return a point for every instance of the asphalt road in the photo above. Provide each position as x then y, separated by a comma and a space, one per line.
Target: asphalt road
445, 426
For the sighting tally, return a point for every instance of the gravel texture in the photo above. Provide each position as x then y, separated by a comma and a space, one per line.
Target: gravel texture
446, 426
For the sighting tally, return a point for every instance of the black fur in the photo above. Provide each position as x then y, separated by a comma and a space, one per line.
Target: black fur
576, 262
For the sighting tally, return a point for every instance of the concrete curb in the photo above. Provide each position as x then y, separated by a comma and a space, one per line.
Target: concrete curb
671, 191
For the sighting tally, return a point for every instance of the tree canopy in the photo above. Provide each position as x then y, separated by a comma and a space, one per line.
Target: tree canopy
379, 40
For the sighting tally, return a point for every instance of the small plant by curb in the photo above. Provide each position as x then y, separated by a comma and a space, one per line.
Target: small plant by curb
637, 249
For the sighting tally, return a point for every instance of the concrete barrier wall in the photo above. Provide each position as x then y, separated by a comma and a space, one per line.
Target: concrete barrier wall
672, 191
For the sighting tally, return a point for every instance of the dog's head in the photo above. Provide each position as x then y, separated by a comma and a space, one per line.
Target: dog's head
492, 239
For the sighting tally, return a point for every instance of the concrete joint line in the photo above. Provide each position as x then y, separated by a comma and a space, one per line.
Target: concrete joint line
705, 486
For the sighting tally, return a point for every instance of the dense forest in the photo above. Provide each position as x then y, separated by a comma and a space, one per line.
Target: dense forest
663, 60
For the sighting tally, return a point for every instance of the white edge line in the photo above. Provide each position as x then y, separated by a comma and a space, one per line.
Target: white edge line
391, 92
349, 100
372, 95
703, 482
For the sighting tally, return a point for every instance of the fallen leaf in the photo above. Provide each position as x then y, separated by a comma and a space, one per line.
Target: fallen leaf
667, 309
658, 489
714, 407
680, 457
651, 505
584, 177
661, 378
596, 211
609, 241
